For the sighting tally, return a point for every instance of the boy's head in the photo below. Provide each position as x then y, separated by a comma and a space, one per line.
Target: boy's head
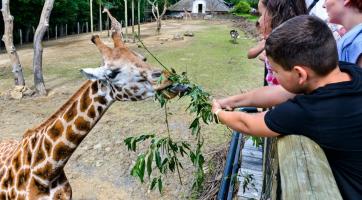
299, 50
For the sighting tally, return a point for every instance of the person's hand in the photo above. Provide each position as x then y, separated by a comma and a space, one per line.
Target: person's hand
215, 106
224, 104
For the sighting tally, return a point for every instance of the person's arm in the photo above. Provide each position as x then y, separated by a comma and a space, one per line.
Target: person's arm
264, 97
255, 51
251, 124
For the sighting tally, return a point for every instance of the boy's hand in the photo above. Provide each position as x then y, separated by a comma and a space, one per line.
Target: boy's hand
224, 104
215, 106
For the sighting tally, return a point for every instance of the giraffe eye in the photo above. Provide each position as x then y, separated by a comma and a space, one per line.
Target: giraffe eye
113, 74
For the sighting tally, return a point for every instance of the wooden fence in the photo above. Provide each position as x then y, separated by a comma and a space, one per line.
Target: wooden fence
295, 168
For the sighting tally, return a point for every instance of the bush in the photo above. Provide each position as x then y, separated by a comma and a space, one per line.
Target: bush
253, 3
242, 7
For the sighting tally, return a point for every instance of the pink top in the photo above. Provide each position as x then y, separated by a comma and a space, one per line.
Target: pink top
270, 78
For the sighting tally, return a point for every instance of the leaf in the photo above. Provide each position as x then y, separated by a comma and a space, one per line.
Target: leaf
160, 184
141, 171
171, 164
158, 159
153, 183
149, 163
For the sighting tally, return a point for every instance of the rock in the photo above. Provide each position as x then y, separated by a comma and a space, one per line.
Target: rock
28, 92
16, 95
99, 163
108, 149
177, 36
97, 146
208, 17
19, 88
189, 34
164, 39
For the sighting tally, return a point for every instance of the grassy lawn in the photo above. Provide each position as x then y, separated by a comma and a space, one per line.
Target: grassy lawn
249, 17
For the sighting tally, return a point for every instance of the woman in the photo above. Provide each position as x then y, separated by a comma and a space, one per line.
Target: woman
348, 13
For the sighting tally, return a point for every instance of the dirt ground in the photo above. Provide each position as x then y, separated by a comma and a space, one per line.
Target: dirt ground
100, 167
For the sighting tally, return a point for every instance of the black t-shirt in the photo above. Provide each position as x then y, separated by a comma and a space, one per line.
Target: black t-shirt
332, 117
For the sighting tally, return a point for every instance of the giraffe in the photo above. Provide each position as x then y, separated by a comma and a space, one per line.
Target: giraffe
117, 27
187, 14
32, 169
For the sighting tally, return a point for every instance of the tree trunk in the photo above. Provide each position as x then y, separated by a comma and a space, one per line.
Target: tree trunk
100, 17
91, 13
126, 19
133, 36
9, 44
38, 48
138, 18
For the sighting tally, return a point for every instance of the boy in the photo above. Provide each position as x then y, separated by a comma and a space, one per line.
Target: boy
317, 97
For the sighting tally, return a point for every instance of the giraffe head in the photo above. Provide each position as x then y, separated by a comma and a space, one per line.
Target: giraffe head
124, 72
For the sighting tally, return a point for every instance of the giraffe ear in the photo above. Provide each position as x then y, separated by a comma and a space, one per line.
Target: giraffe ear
93, 74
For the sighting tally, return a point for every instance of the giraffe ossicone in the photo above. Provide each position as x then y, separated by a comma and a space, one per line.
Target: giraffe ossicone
32, 168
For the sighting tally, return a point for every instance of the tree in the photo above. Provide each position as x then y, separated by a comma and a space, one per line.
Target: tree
9, 44
156, 13
91, 13
38, 48
126, 20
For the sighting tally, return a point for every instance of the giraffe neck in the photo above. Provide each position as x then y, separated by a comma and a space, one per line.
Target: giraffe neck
54, 143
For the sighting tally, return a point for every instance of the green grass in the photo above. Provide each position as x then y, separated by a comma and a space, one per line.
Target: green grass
249, 17
214, 62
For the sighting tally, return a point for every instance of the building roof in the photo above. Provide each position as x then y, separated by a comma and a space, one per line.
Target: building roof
211, 5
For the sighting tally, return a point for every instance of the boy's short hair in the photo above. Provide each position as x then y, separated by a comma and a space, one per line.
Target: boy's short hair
303, 40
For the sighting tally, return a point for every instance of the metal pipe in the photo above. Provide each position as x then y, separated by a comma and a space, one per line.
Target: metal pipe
225, 182
234, 171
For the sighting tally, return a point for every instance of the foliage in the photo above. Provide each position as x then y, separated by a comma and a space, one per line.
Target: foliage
241, 8
201, 107
253, 3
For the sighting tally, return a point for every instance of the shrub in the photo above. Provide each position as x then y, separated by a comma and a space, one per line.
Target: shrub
242, 7
253, 3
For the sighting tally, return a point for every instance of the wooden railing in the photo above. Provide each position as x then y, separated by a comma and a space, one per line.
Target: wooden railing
302, 171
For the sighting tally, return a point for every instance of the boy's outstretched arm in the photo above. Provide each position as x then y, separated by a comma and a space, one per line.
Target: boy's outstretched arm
264, 97
250, 124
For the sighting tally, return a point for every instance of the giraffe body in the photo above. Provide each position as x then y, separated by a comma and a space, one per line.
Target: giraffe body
32, 169
116, 26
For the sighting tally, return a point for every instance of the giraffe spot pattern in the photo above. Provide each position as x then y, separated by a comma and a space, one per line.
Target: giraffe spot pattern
85, 101
22, 179
101, 99
71, 113
47, 172
17, 161
37, 189
56, 130
61, 151
73, 137
94, 87
82, 124
39, 156
91, 112
47, 146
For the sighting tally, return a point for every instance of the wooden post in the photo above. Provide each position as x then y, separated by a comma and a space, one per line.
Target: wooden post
78, 28
48, 33
21, 37
304, 170
56, 32
86, 27
107, 27
66, 29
